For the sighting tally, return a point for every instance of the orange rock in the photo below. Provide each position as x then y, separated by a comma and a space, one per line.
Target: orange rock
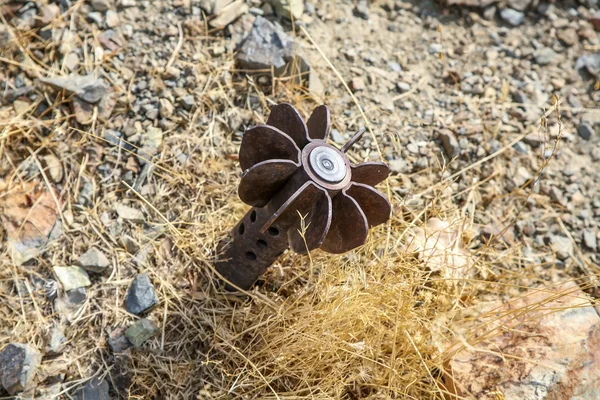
544, 345
28, 215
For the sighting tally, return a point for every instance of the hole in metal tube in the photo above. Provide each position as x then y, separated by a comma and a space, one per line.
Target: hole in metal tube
261, 244
250, 256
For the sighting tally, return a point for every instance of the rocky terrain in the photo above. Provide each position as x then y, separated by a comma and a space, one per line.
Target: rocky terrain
120, 125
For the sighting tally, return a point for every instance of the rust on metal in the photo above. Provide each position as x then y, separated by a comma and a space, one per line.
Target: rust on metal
305, 193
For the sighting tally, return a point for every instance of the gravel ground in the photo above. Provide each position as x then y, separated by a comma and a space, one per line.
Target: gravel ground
485, 109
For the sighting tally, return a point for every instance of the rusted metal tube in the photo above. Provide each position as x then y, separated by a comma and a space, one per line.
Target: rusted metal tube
306, 195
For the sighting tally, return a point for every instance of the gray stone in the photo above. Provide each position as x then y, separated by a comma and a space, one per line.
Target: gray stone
94, 389
166, 108
118, 343
228, 14
214, 6
70, 303
521, 147
153, 137
140, 331
489, 13
557, 195
435, 48
589, 240
591, 62
520, 5
76, 296
533, 139
285, 7
585, 131
95, 17
394, 66
51, 392
112, 19
141, 295
56, 341
403, 87
72, 277
544, 56
512, 17
18, 366
568, 36
93, 260
4, 35
129, 213
87, 88
188, 102
398, 166
361, 9
561, 246
265, 46
451, 146
521, 177
337, 136
100, 5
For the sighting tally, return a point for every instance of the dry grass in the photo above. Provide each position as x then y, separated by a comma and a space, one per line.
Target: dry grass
353, 326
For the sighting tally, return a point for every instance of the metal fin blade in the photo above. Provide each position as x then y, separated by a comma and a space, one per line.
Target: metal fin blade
286, 118
264, 142
261, 181
373, 204
370, 173
315, 225
348, 228
318, 123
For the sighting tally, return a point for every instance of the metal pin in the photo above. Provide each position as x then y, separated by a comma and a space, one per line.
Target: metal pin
354, 139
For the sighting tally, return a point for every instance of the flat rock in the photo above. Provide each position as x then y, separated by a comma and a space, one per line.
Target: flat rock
154, 135
129, 213
93, 260
568, 36
520, 5
591, 62
585, 131
229, 13
94, 389
18, 366
471, 3
141, 295
53, 167
543, 345
86, 87
28, 229
112, 19
589, 240
357, 84
449, 142
285, 8
69, 303
544, 56
512, 17
265, 46
561, 246
55, 342
72, 277
118, 343
140, 331
214, 6
166, 108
